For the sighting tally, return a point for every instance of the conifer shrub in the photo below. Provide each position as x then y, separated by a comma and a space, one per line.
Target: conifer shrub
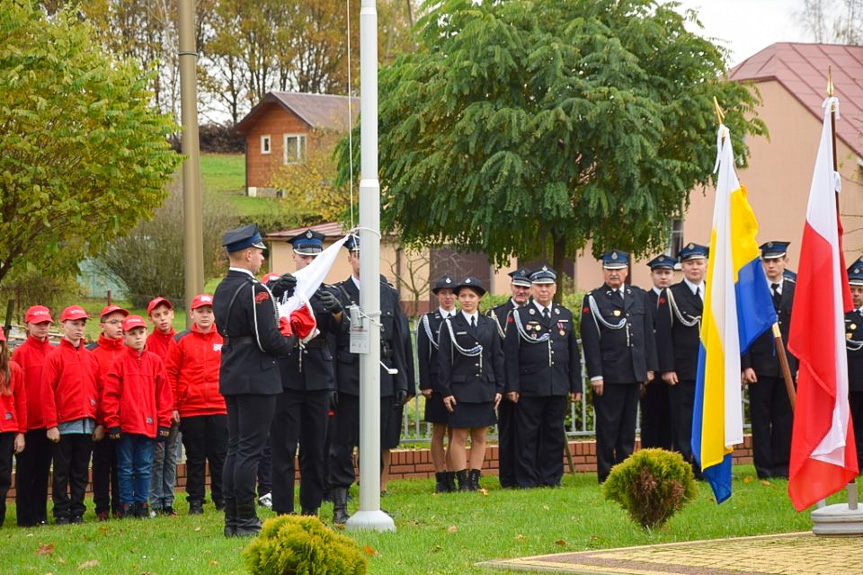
651, 485
289, 545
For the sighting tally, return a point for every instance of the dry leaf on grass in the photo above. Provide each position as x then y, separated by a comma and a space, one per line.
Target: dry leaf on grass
436, 548
520, 537
88, 564
452, 529
484, 491
213, 563
765, 483
546, 507
370, 550
45, 549
561, 542
747, 479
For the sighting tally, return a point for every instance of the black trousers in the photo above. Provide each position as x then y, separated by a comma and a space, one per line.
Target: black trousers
346, 436
249, 418
772, 421
265, 469
682, 398
301, 416
855, 398
506, 442
71, 474
656, 426
106, 486
31, 479
541, 440
205, 438
615, 410
7, 447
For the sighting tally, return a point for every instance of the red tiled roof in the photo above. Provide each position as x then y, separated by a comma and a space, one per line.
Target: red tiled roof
332, 231
802, 70
319, 111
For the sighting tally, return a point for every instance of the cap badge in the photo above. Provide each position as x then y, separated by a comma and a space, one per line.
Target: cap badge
614, 255
449, 281
467, 281
769, 244
545, 268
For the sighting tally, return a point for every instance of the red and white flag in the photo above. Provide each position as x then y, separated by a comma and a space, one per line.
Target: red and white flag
823, 454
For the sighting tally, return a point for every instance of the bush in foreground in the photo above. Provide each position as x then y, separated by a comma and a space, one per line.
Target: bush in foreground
290, 545
651, 485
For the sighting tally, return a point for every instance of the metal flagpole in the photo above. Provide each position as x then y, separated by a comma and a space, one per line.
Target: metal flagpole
370, 516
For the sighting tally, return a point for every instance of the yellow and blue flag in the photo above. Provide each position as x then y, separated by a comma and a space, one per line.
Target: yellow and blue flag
737, 309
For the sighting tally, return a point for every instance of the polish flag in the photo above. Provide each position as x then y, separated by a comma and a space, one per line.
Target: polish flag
823, 454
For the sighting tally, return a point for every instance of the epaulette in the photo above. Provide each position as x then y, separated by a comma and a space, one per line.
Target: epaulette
790, 280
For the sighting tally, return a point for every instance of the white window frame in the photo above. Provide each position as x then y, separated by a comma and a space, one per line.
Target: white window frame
266, 144
675, 238
301, 139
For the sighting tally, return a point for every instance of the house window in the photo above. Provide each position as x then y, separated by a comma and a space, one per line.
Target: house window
295, 148
265, 144
675, 243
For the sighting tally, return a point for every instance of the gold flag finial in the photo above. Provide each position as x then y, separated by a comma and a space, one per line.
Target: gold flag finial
829, 81
720, 115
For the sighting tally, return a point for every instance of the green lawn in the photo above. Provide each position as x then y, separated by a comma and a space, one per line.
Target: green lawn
436, 533
223, 172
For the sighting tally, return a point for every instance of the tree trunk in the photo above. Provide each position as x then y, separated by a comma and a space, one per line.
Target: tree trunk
557, 259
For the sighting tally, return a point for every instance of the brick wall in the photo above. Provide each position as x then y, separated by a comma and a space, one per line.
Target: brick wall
416, 463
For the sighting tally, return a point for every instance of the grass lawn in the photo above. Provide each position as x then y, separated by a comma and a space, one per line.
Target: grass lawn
223, 172
436, 533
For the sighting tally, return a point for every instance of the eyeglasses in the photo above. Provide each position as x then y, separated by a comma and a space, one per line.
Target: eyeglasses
114, 322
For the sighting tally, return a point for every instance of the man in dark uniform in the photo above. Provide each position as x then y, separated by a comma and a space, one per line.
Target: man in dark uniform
506, 440
769, 408
620, 353
249, 375
393, 386
308, 386
656, 430
854, 345
543, 368
678, 323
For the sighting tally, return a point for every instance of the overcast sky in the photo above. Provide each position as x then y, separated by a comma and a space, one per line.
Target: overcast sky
748, 26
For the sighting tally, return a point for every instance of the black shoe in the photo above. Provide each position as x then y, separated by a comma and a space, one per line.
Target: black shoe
248, 524
76, 520
473, 479
103, 515
340, 505
196, 508
230, 518
450, 481
168, 511
220, 505
62, 521
440, 485
310, 512
463, 481
142, 510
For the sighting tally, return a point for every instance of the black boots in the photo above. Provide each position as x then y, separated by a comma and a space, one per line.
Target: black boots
196, 507
230, 517
473, 478
450, 482
248, 524
340, 505
463, 481
440, 485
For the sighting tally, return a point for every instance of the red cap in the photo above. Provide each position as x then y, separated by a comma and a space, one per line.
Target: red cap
38, 314
201, 300
109, 309
133, 321
157, 302
268, 277
74, 312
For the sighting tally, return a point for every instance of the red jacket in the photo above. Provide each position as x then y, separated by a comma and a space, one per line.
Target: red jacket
159, 343
13, 407
137, 396
106, 351
30, 356
70, 384
193, 369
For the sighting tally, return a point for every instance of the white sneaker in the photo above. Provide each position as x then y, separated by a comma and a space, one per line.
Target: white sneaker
266, 500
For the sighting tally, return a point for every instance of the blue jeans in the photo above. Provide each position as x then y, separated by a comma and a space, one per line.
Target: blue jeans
164, 474
134, 460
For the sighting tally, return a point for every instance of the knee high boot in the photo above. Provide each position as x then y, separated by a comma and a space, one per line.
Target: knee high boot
340, 505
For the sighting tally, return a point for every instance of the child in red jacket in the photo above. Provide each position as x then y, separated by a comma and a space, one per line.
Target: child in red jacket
34, 463
137, 405
13, 419
70, 402
193, 370
106, 488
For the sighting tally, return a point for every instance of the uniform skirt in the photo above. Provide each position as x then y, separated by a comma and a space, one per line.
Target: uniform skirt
469, 415
435, 410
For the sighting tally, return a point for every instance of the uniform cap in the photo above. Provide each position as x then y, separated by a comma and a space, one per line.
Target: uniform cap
243, 237
773, 250
443, 282
693, 252
470, 282
855, 274
615, 260
73, 312
109, 309
133, 321
662, 262
38, 314
156, 302
202, 300
269, 277
308, 243
352, 244
520, 277
544, 275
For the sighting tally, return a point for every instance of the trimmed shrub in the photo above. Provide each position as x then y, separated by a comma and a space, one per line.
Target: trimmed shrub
651, 485
290, 545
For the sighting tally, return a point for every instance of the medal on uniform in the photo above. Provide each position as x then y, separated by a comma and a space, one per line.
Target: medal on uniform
616, 312
532, 311
557, 310
848, 335
562, 332
853, 326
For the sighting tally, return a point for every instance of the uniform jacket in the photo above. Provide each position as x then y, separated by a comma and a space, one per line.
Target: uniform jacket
428, 331
854, 345
762, 353
542, 369
392, 344
137, 394
470, 379
311, 366
106, 351
159, 343
618, 355
677, 344
193, 367
252, 342
500, 315
13, 407
70, 384
30, 356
